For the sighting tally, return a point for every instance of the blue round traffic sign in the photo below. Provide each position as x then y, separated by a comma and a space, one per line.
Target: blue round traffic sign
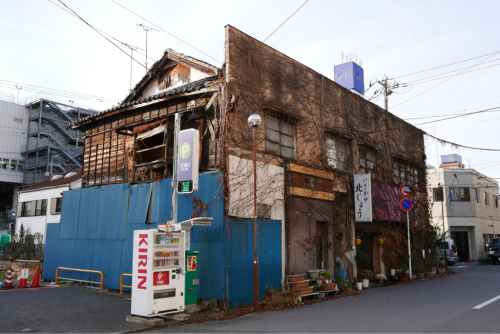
406, 204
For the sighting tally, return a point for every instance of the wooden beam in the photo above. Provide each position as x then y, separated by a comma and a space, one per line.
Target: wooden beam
294, 191
312, 171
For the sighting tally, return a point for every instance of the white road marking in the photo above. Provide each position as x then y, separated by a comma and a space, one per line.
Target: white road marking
459, 267
486, 303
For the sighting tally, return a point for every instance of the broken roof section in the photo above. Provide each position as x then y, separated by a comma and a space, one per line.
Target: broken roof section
174, 74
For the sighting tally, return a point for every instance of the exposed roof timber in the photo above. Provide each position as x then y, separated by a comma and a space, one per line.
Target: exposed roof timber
170, 54
197, 87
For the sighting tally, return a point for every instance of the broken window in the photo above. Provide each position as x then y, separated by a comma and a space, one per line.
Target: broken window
280, 137
177, 75
336, 153
149, 148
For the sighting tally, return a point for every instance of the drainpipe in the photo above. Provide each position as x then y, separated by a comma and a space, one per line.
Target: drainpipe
227, 287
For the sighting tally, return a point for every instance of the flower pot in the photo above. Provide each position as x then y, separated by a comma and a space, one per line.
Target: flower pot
327, 281
313, 274
393, 272
414, 276
359, 285
433, 269
295, 278
301, 284
341, 265
330, 287
321, 294
305, 291
319, 282
403, 279
431, 274
419, 276
366, 282
380, 281
321, 271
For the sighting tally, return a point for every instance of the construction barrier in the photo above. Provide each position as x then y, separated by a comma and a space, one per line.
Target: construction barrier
79, 280
121, 283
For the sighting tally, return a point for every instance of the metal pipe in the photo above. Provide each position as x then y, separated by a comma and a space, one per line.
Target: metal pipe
409, 251
121, 283
255, 259
227, 287
79, 280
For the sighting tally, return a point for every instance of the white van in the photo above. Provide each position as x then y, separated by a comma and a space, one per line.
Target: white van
449, 251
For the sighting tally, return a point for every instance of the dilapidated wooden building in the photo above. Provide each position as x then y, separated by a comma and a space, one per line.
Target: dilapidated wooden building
315, 135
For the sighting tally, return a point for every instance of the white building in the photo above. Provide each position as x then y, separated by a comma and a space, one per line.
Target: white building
465, 202
41, 204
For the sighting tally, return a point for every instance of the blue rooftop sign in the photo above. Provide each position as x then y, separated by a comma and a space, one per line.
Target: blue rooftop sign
350, 75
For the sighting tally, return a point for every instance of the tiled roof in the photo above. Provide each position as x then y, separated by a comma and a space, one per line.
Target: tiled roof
192, 86
62, 181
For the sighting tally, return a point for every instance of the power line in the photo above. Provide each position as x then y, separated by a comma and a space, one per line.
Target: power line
462, 61
166, 31
60, 91
463, 115
439, 126
443, 115
425, 91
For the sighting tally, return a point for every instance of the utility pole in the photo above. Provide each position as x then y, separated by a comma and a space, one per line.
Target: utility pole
132, 49
18, 89
384, 86
147, 29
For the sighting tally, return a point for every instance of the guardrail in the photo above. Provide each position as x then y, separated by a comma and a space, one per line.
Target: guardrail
79, 280
121, 283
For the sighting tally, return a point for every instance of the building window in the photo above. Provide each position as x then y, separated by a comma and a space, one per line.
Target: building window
280, 137
4, 163
476, 195
437, 194
486, 198
174, 76
406, 172
26, 209
367, 161
41, 207
336, 153
459, 195
59, 205
496, 201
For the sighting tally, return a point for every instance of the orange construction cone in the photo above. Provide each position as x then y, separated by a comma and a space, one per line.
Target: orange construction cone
36, 279
24, 277
468, 257
8, 279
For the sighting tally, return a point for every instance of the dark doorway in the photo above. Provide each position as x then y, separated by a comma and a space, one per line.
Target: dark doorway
366, 247
321, 244
462, 241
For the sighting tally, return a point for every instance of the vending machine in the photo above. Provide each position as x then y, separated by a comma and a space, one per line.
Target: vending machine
159, 272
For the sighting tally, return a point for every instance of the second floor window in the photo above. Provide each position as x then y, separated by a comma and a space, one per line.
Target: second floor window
336, 153
367, 161
496, 201
486, 198
26, 209
459, 194
476, 195
280, 137
437, 194
59, 205
41, 207
406, 172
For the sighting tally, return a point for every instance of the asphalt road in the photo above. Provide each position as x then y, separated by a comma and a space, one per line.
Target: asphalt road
63, 310
439, 306
444, 305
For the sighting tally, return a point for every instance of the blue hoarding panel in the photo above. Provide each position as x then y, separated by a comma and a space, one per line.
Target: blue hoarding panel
66, 215
161, 202
350, 75
239, 258
140, 195
84, 227
51, 254
116, 211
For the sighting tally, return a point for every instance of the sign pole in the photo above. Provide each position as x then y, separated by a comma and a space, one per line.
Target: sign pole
409, 250
177, 128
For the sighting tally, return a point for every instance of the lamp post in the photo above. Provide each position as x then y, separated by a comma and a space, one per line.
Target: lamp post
254, 121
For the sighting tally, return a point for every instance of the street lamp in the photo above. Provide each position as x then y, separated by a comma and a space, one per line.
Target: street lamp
254, 121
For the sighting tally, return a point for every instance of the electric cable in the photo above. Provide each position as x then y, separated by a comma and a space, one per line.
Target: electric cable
444, 81
462, 61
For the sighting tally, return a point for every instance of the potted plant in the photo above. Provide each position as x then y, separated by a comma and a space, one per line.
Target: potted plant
403, 276
380, 278
366, 275
314, 274
322, 293
295, 278
359, 285
328, 276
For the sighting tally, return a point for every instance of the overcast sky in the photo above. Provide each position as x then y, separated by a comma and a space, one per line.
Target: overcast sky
44, 46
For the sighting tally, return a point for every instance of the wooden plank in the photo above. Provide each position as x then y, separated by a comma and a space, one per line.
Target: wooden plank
294, 191
312, 171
